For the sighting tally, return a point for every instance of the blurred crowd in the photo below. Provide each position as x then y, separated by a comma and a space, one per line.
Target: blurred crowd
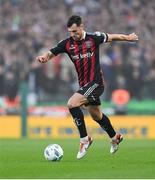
31, 27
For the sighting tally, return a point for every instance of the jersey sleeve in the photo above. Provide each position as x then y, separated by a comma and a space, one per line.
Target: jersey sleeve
100, 37
59, 48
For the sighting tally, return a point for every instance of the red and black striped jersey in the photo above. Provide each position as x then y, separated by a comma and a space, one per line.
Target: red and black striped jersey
85, 56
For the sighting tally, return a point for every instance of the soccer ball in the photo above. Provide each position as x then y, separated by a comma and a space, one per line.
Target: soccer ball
53, 152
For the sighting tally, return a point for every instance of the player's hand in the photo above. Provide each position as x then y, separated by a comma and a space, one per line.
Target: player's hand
42, 59
133, 37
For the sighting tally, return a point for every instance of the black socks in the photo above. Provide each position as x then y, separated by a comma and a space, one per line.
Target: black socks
107, 126
78, 117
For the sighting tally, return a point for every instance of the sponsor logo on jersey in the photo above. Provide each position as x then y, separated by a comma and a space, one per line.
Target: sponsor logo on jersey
82, 56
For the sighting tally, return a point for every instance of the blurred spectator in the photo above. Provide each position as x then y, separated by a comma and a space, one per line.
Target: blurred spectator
10, 85
1, 75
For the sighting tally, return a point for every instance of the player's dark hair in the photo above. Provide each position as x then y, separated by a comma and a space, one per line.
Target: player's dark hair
74, 19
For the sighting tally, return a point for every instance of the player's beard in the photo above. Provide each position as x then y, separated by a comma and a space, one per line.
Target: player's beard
77, 38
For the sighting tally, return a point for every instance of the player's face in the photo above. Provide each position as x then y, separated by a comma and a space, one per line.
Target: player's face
76, 32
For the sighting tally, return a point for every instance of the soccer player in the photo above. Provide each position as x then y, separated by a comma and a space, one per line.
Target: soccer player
83, 50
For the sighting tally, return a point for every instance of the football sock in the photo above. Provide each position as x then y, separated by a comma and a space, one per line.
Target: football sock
84, 139
107, 126
78, 117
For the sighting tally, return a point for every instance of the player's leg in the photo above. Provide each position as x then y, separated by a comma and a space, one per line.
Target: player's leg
105, 123
74, 104
101, 119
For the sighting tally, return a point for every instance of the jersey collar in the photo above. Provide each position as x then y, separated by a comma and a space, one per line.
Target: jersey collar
84, 35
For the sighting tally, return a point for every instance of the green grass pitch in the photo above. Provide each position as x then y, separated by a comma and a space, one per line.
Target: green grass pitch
24, 159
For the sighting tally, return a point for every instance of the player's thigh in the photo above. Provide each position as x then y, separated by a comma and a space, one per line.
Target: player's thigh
77, 100
95, 112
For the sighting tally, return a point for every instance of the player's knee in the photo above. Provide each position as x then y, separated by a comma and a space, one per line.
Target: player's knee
72, 104
95, 117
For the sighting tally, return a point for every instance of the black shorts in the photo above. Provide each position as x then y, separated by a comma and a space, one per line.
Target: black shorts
92, 91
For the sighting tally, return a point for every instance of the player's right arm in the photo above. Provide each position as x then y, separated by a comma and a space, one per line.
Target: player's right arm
59, 48
45, 57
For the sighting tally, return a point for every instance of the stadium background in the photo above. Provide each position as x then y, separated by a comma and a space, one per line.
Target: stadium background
33, 96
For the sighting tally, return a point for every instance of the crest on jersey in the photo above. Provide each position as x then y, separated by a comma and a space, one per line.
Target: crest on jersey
72, 47
88, 44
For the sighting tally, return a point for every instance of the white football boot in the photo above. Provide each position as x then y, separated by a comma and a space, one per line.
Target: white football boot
84, 147
115, 143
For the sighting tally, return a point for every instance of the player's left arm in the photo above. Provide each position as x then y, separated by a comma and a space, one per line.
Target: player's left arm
122, 37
